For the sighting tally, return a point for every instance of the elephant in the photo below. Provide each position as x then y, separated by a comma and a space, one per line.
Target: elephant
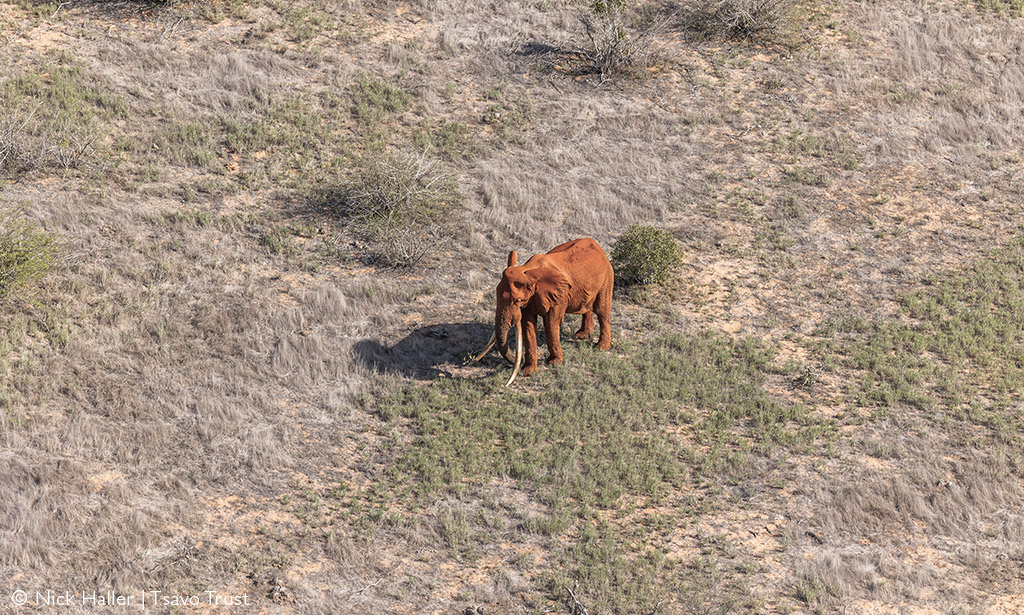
575, 277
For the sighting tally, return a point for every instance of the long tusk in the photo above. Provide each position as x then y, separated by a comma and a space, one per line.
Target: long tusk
490, 345
519, 351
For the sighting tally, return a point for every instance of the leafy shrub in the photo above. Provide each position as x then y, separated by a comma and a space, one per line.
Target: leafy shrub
645, 255
26, 252
402, 205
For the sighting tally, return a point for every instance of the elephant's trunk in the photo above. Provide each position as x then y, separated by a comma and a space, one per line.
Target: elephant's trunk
502, 325
503, 346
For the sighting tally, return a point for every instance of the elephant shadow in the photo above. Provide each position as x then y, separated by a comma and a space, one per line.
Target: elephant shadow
429, 352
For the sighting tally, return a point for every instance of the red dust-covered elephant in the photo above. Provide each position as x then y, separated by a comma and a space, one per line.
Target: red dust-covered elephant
574, 278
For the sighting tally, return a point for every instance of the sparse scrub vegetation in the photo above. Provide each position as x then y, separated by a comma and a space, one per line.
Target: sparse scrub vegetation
52, 118
646, 255
26, 145
403, 205
617, 44
760, 20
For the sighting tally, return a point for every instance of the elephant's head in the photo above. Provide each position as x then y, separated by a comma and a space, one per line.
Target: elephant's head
537, 289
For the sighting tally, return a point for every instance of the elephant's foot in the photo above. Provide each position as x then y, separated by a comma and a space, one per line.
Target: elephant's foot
529, 369
604, 344
582, 335
555, 360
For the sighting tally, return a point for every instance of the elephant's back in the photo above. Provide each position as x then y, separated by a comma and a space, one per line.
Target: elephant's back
579, 251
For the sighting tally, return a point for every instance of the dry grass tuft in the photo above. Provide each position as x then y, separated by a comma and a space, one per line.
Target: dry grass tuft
753, 18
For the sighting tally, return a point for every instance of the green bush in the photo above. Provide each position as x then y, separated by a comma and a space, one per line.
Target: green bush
646, 255
26, 252
402, 205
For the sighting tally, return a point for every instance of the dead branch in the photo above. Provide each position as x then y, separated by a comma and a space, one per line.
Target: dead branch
576, 608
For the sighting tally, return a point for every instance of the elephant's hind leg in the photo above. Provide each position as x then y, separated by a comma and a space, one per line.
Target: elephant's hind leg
553, 328
529, 324
587, 326
603, 308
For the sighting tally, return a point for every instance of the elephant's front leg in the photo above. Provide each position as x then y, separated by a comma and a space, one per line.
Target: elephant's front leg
553, 329
529, 344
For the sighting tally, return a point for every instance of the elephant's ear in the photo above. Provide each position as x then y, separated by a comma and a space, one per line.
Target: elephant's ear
552, 286
513, 258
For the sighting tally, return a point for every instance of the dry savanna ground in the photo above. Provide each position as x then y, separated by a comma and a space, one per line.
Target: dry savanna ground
248, 245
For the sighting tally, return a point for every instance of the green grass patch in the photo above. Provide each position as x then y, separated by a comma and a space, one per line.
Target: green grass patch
603, 425
199, 218
186, 143
298, 140
958, 347
594, 444
1009, 8
509, 115
802, 175
451, 140
52, 117
373, 100
280, 241
836, 147
303, 23
63, 91
606, 576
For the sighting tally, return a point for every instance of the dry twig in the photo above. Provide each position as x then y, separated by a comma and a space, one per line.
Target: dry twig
576, 607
